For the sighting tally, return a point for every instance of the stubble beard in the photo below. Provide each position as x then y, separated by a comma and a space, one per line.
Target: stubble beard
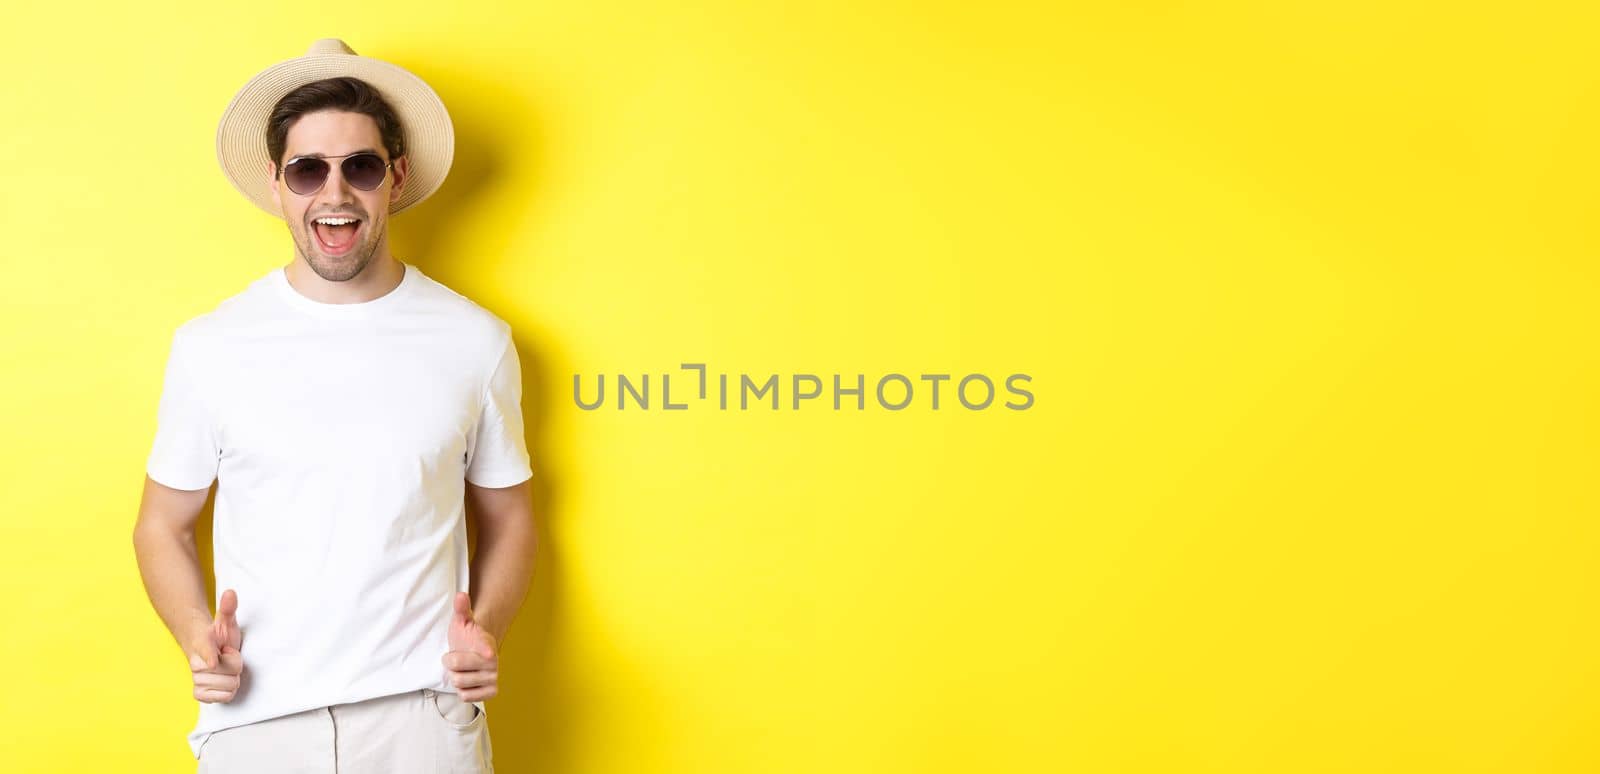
344, 267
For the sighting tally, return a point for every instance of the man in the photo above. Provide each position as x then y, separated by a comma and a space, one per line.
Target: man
349, 409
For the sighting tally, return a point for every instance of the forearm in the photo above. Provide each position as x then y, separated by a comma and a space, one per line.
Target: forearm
501, 572
169, 563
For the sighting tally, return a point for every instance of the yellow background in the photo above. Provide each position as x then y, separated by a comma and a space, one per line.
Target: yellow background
1308, 298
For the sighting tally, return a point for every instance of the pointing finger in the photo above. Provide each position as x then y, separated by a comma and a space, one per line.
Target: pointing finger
467, 661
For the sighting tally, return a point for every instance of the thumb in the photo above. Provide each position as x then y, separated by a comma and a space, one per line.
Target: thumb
225, 628
464, 617
228, 606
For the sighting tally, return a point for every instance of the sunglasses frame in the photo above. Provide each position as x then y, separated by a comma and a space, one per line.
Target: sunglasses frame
282, 174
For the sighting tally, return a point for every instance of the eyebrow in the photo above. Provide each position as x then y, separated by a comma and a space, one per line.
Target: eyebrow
322, 155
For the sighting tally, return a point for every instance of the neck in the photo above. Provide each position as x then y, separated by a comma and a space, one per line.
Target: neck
380, 276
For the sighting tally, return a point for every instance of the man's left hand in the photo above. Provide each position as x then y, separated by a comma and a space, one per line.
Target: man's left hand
473, 663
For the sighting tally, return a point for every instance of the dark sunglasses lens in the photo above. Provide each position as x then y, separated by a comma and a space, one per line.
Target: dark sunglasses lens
305, 175
364, 171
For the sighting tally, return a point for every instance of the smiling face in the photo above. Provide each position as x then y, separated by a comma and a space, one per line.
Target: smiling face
336, 133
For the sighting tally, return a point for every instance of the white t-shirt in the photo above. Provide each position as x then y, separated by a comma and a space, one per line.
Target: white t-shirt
339, 436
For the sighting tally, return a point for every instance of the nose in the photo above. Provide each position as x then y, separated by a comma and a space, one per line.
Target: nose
336, 193
336, 179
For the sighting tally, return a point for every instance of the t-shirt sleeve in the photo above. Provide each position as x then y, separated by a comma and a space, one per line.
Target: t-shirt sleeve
498, 454
185, 453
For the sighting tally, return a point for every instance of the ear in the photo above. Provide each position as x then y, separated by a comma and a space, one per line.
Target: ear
402, 173
272, 185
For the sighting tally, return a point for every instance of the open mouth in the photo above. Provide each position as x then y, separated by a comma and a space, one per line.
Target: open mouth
336, 234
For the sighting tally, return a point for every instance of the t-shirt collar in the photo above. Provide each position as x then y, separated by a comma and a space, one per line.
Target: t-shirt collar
280, 279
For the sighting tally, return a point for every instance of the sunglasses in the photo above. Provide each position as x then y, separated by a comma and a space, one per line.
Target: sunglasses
307, 174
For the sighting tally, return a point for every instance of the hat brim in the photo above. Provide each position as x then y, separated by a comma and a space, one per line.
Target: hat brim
429, 134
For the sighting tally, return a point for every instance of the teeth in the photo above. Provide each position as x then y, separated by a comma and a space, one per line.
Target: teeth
334, 221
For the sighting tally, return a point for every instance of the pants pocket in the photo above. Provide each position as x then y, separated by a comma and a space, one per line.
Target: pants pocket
465, 732
462, 714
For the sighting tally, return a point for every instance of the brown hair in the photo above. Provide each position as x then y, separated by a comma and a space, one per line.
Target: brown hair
348, 94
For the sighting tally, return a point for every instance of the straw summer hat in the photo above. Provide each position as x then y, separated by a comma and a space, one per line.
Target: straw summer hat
430, 139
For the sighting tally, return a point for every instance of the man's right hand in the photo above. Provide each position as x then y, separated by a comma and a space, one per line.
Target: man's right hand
214, 655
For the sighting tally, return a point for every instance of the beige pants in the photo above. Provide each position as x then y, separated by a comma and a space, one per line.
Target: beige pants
413, 732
